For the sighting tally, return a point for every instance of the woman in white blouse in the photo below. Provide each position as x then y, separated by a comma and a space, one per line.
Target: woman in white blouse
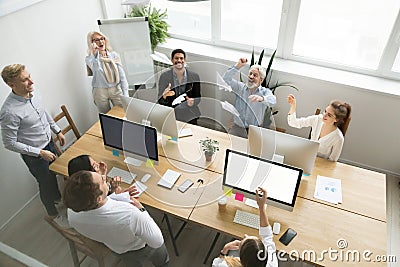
326, 127
254, 251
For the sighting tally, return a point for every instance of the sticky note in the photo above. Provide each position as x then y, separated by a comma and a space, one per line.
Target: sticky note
149, 163
115, 152
227, 191
239, 197
306, 174
174, 139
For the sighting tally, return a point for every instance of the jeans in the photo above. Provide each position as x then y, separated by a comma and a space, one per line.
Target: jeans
47, 180
157, 256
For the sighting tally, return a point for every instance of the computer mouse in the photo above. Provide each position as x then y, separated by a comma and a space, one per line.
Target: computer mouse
145, 178
276, 229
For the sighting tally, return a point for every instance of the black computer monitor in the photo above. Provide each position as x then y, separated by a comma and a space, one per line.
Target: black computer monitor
245, 173
297, 151
159, 116
134, 140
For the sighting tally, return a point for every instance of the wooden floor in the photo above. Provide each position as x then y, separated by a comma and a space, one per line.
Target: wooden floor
31, 235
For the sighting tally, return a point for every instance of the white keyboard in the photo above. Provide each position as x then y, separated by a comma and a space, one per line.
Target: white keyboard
247, 219
127, 177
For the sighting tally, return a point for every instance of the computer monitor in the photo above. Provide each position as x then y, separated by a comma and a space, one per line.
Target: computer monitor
245, 173
297, 151
159, 116
135, 140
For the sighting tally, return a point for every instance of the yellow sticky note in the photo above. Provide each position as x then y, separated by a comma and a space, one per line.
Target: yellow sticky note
149, 163
227, 191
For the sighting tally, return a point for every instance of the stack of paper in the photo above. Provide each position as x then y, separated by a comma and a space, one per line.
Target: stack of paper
169, 178
328, 189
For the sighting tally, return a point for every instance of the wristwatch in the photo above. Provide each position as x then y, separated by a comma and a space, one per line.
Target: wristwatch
142, 209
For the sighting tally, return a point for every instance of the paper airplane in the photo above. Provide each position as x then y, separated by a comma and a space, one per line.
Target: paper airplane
222, 84
179, 99
230, 108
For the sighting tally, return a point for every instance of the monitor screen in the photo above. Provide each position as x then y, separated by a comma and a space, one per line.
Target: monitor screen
138, 141
297, 151
245, 173
159, 116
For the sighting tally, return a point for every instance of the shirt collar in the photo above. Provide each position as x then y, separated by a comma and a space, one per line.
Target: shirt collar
20, 98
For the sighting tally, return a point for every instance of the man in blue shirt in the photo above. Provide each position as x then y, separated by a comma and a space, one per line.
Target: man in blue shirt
251, 98
26, 129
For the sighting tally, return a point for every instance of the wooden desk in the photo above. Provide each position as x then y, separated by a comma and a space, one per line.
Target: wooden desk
169, 200
364, 191
319, 227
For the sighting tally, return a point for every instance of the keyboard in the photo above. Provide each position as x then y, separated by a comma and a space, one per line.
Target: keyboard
127, 177
247, 219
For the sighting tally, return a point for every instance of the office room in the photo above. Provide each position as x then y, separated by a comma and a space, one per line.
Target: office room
49, 37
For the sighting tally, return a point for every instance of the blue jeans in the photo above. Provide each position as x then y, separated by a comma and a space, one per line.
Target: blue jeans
47, 180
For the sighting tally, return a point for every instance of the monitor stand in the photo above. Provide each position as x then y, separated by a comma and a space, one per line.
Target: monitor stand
133, 161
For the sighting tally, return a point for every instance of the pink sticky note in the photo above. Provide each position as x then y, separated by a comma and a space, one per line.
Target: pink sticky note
239, 196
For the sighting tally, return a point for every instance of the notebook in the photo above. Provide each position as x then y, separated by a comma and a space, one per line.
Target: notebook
169, 179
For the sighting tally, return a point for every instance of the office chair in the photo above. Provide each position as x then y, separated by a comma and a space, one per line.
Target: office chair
317, 112
70, 126
78, 242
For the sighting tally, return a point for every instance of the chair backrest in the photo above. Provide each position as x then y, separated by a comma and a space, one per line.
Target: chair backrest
87, 246
70, 126
317, 112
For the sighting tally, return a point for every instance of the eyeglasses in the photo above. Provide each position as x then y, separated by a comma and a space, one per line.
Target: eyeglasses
329, 114
99, 39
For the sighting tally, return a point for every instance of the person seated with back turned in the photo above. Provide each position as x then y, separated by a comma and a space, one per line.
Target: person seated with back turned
87, 163
252, 99
326, 128
254, 251
178, 81
126, 228
107, 70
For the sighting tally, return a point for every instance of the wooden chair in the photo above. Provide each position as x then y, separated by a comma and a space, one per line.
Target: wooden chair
78, 242
344, 127
70, 126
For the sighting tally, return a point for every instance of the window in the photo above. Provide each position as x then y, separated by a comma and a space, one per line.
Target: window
190, 19
254, 23
352, 35
345, 32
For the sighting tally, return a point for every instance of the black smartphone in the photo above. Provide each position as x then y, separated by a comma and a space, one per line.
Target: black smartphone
288, 236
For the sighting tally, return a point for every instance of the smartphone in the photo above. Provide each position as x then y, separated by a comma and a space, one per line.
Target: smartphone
288, 236
185, 185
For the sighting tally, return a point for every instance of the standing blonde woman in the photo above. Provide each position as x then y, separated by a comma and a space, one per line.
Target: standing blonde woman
108, 74
326, 127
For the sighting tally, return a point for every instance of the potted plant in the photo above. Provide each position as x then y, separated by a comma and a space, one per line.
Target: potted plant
209, 147
157, 22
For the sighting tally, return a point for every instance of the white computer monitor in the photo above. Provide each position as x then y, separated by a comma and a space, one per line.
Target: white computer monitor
297, 151
134, 140
159, 116
245, 173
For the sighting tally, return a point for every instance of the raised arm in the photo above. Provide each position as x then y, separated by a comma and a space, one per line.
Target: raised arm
261, 197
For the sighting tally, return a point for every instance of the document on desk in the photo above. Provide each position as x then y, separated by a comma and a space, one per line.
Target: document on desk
169, 179
185, 132
328, 189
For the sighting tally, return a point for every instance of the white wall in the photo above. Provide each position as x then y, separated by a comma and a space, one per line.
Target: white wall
50, 39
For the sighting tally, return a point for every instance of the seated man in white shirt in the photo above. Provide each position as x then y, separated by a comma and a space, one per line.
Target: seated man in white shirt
126, 228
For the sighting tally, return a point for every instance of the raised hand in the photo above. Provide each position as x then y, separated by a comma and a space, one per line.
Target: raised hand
168, 92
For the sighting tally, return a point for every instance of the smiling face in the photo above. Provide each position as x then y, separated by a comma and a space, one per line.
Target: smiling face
254, 79
328, 115
178, 61
100, 41
103, 186
22, 85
